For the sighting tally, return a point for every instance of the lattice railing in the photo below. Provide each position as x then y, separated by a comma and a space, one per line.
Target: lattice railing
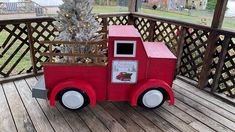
167, 33
222, 76
143, 26
189, 42
14, 48
19, 42
194, 46
227, 78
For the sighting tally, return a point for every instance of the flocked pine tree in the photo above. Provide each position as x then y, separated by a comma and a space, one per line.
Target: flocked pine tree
76, 22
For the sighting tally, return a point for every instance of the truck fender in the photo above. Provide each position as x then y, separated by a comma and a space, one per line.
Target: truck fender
140, 87
73, 83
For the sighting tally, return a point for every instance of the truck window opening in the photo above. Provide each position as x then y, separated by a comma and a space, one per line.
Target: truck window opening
125, 48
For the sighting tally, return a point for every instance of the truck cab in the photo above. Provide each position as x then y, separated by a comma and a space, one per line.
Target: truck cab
139, 72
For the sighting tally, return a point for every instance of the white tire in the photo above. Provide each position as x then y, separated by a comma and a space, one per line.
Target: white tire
152, 98
73, 99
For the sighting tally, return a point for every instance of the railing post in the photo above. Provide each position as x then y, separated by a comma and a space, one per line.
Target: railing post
180, 48
151, 30
219, 13
105, 26
220, 64
132, 5
31, 46
208, 59
131, 19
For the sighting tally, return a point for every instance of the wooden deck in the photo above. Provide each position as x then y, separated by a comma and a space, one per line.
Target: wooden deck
194, 110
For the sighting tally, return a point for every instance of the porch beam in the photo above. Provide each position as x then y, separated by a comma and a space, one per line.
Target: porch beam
211, 46
132, 4
219, 13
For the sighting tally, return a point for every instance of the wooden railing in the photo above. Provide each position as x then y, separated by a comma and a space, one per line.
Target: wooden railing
21, 7
75, 53
201, 50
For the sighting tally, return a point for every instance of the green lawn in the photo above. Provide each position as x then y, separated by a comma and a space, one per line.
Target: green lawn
24, 64
194, 17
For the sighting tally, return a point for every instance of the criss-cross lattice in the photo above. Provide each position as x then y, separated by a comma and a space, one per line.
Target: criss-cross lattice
168, 33
42, 31
143, 26
117, 20
218, 43
14, 46
193, 53
227, 78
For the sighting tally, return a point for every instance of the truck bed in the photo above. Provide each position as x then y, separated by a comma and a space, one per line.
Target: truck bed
95, 75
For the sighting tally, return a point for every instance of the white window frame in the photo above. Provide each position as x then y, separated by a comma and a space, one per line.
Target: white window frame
123, 55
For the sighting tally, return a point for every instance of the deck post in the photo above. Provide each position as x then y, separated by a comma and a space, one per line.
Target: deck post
152, 30
105, 26
211, 47
132, 5
220, 64
219, 13
181, 43
31, 46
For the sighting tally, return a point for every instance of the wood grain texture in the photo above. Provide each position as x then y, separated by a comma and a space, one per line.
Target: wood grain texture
182, 126
157, 120
201, 117
206, 105
216, 116
179, 113
204, 95
53, 115
112, 124
38, 117
194, 110
6, 121
93, 122
138, 118
124, 120
19, 113
73, 120
201, 127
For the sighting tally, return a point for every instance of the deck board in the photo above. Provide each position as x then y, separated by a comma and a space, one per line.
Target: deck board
53, 115
206, 96
20, 115
194, 110
40, 121
7, 123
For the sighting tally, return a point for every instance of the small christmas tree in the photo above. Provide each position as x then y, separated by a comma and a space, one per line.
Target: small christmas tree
75, 21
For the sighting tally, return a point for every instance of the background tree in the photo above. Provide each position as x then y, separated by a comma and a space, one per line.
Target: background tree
211, 5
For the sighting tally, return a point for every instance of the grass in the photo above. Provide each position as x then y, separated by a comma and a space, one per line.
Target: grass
194, 17
24, 64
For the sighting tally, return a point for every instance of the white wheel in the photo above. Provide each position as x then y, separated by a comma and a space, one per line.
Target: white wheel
152, 98
73, 99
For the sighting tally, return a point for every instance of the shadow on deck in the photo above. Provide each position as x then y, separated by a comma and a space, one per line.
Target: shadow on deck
194, 110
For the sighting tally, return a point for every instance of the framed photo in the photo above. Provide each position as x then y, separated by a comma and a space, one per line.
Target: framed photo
124, 71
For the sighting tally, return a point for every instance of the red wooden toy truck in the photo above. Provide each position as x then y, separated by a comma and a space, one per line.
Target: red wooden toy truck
139, 72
